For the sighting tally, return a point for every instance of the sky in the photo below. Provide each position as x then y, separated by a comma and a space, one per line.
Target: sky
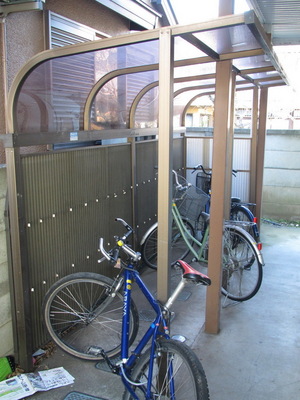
189, 11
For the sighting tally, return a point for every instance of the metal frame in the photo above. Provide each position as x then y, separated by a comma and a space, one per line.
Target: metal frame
222, 135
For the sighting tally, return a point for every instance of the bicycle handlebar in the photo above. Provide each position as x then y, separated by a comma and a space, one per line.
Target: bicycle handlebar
200, 166
113, 255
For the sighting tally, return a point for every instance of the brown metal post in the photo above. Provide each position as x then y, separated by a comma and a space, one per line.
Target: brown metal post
165, 143
220, 165
261, 139
253, 154
19, 274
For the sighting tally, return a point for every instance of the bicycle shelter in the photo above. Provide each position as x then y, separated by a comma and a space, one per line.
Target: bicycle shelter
82, 151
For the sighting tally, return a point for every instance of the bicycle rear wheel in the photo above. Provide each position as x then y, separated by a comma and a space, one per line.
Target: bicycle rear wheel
81, 316
243, 214
177, 374
179, 249
242, 267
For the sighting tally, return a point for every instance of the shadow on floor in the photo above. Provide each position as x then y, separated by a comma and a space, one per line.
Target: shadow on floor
256, 355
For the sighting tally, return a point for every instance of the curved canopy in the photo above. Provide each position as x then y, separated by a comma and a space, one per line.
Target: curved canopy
109, 85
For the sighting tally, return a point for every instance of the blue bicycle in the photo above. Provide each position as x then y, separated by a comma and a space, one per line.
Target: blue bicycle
85, 316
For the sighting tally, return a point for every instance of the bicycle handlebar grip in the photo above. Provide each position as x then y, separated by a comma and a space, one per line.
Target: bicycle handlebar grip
103, 251
115, 254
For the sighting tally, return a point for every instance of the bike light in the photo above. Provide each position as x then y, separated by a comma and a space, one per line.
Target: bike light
259, 246
255, 219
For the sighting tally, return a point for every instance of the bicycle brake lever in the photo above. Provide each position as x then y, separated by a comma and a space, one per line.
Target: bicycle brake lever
128, 227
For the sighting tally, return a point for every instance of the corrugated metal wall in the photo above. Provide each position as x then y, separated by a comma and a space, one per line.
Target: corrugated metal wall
199, 151
71, 198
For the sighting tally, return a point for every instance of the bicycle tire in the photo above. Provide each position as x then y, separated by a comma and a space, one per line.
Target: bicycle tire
243, 214
70, 315
188, 376
179, 249
242, 271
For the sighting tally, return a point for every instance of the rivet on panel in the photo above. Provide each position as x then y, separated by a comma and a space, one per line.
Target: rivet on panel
85, 204
53, 215
44, 282
87, 257
32, 289
29, 225
115, 195
41, 220
71, 209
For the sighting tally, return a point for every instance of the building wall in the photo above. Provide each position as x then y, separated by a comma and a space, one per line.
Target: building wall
281, 189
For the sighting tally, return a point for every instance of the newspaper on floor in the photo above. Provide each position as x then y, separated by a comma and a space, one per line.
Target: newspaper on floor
24, 385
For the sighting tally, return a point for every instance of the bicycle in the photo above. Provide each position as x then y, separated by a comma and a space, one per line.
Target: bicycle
82, 321
241, 262
239, 211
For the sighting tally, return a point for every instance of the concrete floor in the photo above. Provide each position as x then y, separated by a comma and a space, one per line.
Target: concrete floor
256, 355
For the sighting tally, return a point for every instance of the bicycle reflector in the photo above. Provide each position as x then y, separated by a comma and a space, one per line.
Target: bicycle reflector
259, 246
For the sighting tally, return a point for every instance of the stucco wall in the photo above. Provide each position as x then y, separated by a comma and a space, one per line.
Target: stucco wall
281, 190
6, 334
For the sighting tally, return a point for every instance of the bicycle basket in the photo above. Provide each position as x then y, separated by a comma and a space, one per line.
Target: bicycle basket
192, 203
203, 182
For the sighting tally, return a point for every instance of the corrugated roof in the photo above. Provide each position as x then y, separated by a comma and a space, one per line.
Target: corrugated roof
281, 18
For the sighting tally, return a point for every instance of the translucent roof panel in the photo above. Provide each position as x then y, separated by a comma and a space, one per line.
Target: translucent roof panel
252, 62
184, 49
53, 96
113, 102
227, 40
197, 83
146, 115
194, 70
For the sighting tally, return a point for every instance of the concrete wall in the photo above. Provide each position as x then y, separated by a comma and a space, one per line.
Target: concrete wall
6, 333
281, 190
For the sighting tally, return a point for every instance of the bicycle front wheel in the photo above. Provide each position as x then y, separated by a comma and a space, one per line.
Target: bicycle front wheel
242, 268
179, 248
81, 316
177, 374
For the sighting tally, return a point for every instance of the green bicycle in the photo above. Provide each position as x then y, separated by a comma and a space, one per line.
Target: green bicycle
241, 262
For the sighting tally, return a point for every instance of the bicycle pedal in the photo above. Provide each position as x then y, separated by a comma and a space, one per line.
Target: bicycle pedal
95, 351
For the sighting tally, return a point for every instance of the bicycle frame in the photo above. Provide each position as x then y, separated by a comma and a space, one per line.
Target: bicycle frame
186, 234
153, 331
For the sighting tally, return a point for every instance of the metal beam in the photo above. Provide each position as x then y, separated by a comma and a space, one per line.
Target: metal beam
165, 149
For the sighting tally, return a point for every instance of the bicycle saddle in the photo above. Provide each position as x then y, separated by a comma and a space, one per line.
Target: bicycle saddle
235, 200
192, 274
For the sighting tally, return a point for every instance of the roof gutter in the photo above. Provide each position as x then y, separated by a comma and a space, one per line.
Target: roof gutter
19, 6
